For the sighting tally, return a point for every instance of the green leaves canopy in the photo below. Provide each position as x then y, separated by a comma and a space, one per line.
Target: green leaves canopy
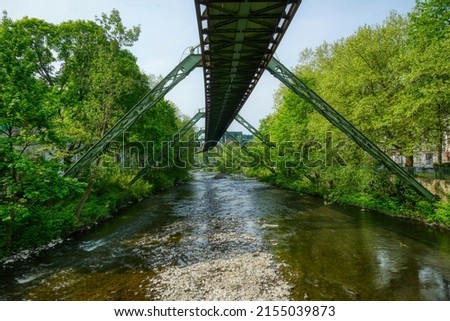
61, 88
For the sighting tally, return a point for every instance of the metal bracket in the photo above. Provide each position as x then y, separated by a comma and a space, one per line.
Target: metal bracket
295, 84
148, 101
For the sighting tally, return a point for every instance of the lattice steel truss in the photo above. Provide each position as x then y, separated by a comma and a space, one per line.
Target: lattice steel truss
148, 101
238, 39
175, 139
254, 131
295, 84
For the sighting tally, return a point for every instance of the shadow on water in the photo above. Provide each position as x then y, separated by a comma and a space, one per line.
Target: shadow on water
330, 252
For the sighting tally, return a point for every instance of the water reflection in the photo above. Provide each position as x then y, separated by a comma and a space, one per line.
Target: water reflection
434, 284
337, 254
331, 252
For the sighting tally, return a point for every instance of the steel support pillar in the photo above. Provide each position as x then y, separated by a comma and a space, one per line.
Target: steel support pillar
246, 150
175, 139
253, 130
295, 84
192, 141
148, 101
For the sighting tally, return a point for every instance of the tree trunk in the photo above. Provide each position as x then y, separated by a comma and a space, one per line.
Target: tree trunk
88, 190
409, 164
439, 151
85, 197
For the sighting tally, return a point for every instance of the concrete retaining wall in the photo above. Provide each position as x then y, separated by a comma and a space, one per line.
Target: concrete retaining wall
439, 187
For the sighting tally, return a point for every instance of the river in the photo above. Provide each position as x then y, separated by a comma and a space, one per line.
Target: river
217, 239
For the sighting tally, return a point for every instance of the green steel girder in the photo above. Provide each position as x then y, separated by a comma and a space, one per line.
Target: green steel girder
295, 84
194, 120
237, 38
193, 140
148, 101
245, 149
198, 133
253, 130
175, 139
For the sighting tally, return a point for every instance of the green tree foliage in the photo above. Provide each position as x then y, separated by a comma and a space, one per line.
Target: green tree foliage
62, 87
427, 75
99, 80
391, 81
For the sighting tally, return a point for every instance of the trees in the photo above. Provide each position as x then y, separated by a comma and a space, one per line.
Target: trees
28, 106
102, 81
370, 90
391, 81
99, 80
428, 76
357, 76
61, 88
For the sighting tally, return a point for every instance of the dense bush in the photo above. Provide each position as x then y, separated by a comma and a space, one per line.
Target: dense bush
62, 88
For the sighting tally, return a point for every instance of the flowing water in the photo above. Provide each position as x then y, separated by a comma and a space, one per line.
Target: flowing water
325, 252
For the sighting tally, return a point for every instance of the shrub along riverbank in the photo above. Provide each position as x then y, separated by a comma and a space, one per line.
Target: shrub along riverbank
43, 223
395, 200
62, 88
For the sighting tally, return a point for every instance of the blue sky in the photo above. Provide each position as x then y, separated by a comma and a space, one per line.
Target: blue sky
169, 27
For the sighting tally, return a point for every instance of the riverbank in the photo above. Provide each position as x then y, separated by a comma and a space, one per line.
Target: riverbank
240, 239
406, 206
50, 224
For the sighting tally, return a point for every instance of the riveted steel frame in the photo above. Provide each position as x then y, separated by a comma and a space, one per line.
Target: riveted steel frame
238, 39
148, 101
295, 84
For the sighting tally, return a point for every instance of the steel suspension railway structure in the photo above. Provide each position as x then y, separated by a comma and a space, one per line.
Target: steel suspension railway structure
238, 40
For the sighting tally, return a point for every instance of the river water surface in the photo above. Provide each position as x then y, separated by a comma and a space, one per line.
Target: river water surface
323, 252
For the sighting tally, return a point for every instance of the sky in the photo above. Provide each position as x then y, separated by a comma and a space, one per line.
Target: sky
168, 27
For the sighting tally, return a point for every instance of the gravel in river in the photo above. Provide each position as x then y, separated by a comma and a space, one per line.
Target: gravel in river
213, 253
226, 266
246, 277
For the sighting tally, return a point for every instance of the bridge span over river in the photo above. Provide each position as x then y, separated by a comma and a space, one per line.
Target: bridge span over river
238, 40
236, 238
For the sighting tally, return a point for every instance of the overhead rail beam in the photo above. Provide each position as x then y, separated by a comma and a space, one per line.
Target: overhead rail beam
148, 101
296, 85
237, 39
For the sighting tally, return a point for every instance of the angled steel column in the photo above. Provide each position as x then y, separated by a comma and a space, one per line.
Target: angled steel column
188, 126
246, 150
175, 139
192, 141
148, 101
295, 84
253, 130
